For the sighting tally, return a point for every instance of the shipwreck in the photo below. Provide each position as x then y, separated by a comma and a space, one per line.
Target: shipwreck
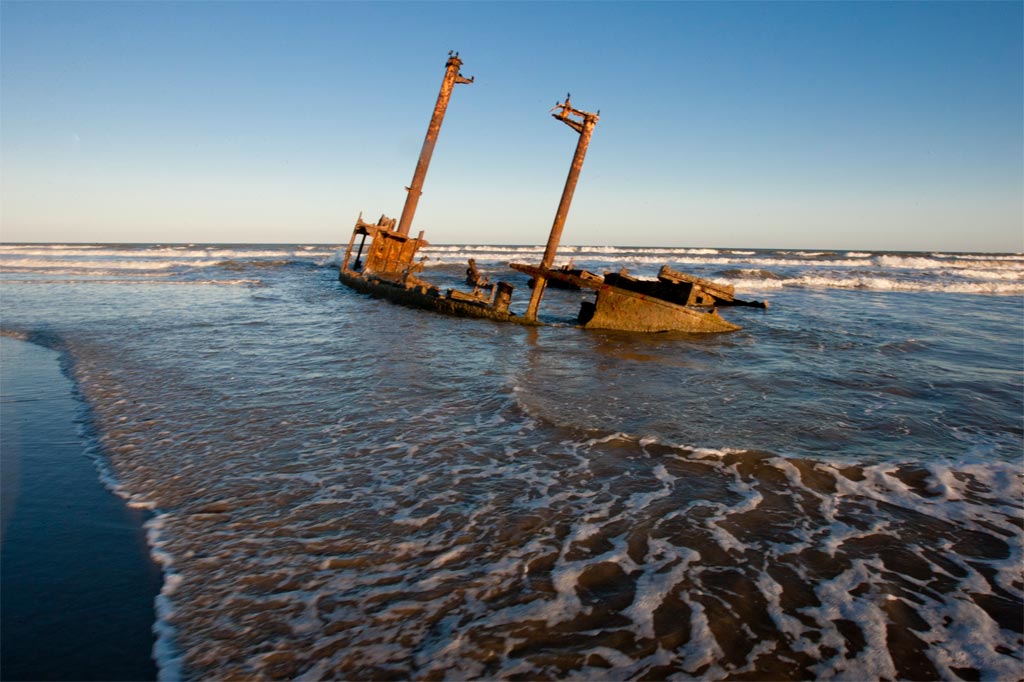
384, 263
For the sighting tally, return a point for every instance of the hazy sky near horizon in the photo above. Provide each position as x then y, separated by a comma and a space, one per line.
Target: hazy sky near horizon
789, 125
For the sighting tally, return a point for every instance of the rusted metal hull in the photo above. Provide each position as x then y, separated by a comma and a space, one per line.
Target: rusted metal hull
390, 268
619, 308
624, 310
425, 297
557, 283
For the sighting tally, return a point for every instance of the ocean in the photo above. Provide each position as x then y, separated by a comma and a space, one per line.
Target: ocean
340, 487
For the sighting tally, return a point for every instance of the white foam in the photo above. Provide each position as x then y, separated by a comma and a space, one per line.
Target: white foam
975, 256
964, 636
105, 265
702, 649
1013, 286
1009, 274
788, 625
168, 657
923, 263
837, 603
656, 583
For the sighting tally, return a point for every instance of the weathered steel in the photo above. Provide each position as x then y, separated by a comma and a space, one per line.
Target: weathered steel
415, 188
390, 270
502, 297
351, 242
418, 294
473, 276
705, 292
585, 127
390, 253
624, 310
556, 283
720, 292
630, 304
673, 302
580, 279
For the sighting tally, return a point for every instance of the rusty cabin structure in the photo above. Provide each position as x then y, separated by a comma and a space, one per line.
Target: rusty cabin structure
388, 269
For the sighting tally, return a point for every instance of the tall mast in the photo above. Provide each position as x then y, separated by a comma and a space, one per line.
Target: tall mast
584, 126
415, 189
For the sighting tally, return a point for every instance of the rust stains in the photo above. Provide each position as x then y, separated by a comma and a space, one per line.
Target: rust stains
386, 267
415, 188
582, 122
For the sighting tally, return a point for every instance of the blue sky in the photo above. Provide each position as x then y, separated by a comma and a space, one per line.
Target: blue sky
787, 125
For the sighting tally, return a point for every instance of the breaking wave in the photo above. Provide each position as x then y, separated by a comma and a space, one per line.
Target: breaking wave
968, 274
880, 284
996, 274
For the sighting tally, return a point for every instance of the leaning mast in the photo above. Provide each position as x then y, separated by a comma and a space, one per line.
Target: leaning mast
585, 127
415, 188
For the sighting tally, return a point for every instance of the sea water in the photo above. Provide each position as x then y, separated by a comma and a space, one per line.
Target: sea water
345, 488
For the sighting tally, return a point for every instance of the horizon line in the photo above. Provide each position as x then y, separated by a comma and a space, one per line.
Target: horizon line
522, 245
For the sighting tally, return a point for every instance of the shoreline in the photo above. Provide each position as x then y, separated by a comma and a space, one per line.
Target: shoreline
78, 582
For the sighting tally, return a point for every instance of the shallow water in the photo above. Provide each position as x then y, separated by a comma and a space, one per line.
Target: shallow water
347, 488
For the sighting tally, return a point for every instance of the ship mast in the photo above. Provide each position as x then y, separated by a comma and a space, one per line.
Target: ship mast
582, 122
415, 189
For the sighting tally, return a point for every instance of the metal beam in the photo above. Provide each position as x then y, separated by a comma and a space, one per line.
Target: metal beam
415, 189
585, 127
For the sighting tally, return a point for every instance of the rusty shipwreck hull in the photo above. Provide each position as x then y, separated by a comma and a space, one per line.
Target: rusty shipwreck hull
673, 302
628, 304
390, 268
625, 310
427, 297
390, 271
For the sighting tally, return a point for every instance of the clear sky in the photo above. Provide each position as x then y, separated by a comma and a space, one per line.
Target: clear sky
788, 125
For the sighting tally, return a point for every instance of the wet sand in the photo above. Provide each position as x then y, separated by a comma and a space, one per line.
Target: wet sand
77, 585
